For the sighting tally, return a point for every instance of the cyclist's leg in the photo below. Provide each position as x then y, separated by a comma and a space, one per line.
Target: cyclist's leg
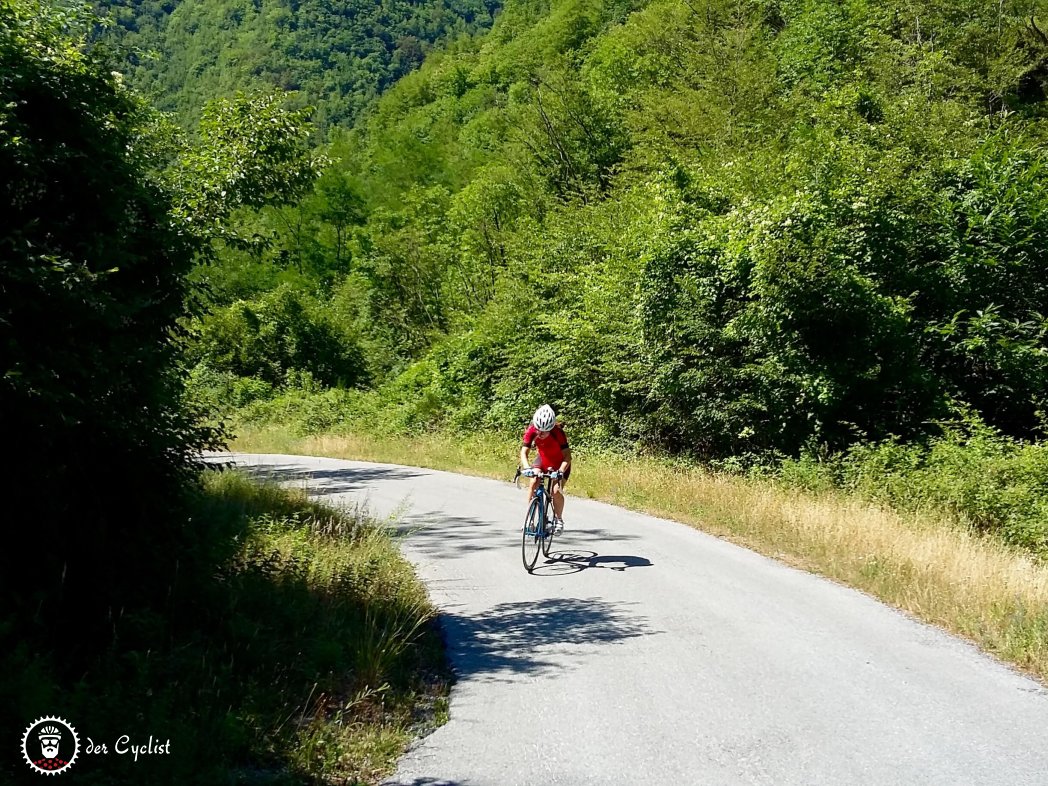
558, 501
558, 495
534, 481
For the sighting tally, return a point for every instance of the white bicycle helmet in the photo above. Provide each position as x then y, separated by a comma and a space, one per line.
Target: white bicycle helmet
544, 418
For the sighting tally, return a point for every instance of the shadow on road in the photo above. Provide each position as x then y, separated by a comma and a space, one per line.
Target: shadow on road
424, 781
328, 481
533, 638
561, 563
447, 536
437, 533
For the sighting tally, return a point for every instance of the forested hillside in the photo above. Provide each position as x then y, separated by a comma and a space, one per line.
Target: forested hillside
340, 56
744, 232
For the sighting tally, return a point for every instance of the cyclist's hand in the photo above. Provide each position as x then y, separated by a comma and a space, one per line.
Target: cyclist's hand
528, 472
555, 474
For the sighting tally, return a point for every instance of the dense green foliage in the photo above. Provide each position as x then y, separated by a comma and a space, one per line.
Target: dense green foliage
739, 231
277, 335
971, 473
839, 237
249, 153
93, 275
105, 212
340, 56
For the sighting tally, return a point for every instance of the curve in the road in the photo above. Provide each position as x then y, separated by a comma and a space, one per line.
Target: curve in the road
649, 652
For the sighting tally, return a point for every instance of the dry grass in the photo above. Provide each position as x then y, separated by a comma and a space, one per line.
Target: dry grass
976, 587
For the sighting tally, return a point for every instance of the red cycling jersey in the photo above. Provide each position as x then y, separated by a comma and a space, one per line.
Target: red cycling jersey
551, 448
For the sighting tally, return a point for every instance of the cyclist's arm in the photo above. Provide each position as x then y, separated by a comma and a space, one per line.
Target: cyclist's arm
524, 451
566, 463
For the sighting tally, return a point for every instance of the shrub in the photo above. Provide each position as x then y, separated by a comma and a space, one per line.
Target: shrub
280, 332
971, 472
221, 392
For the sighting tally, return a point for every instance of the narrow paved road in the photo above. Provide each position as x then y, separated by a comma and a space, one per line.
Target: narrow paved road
650, 653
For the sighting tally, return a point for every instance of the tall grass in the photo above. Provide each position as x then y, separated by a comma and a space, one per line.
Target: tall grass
925, 564
974, 475
300, 650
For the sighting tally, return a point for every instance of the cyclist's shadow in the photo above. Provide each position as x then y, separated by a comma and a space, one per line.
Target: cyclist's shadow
561, 562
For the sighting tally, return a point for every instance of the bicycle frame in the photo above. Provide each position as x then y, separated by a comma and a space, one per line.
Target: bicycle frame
538, 524
544, 492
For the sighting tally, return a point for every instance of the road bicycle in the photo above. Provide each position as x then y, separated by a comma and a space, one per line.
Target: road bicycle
538, 532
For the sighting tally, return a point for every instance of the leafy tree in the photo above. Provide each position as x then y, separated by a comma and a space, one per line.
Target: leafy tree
340, 205
105, 215
405, 257
251, 153
93, 271
482, 215
236, 185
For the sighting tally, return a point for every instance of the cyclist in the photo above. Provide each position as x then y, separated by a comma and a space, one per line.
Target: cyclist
545, 435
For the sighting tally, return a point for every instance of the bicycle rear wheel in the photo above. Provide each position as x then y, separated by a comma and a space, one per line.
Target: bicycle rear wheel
531, 543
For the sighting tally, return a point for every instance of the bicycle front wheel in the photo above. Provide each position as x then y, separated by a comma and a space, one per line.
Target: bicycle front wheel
547, 534
531, 542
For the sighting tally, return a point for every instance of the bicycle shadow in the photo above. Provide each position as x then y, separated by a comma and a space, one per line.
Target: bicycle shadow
446, 536
563, 563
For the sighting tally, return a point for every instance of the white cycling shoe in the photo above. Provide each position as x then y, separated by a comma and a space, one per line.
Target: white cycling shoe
558, 526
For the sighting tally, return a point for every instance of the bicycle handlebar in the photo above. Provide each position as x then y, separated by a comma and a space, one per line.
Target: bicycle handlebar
537, 473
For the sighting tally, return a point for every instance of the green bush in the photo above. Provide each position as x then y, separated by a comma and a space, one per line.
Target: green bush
972, 473
221, 392
308, 409
282, 331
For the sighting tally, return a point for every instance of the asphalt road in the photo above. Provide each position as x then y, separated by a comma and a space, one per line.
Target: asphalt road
650, 653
